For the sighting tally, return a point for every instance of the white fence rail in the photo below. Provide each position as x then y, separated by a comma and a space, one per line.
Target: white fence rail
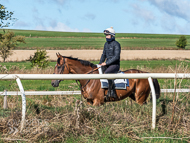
2, 93
148, 76
93, 76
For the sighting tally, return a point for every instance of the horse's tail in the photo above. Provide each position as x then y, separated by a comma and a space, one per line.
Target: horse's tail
156, 87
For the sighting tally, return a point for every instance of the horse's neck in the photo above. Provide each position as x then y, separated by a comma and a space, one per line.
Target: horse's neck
78, 68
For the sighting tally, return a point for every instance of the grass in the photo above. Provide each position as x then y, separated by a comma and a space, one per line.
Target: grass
45, 85
74, 40
36, 33
123, 121
95, 43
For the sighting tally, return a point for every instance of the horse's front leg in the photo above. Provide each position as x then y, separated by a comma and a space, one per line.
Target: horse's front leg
99, 100
96, 102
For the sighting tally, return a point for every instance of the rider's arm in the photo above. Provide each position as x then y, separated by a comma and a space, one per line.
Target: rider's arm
103, 57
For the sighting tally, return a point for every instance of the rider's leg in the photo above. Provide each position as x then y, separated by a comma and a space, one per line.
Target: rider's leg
111, 86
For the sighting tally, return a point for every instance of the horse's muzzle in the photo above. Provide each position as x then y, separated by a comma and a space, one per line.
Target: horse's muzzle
55, 83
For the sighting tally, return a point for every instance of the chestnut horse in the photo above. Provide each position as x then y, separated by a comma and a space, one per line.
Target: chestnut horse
91, 90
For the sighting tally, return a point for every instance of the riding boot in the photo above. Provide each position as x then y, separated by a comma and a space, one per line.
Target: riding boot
113, 92
111, 89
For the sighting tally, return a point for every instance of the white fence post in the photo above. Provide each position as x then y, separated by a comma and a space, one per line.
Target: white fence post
153, 103
23, 103
5, 100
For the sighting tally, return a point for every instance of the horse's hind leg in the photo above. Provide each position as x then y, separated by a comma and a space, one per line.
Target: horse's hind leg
142, 92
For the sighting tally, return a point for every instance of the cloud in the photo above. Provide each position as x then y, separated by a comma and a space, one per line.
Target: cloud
60, 27
168, 23
35, 10
142, 13
147, 17
60, 2
89, 16
21, 24
175, 8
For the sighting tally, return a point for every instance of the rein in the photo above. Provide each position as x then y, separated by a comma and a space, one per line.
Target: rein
82, 87
93, 70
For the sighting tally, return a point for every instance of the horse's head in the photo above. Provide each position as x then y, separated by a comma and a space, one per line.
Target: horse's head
61, 67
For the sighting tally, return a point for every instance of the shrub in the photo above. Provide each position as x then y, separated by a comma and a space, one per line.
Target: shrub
8, 42
182, 42
39, 59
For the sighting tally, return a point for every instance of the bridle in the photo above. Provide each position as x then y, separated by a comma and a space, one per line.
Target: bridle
63, 67
81, 87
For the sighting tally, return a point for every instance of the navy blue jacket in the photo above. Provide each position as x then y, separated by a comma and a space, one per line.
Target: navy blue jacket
111, 53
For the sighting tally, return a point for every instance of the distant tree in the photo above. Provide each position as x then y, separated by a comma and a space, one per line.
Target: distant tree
182, 42
5, 17
40, 59
8, 42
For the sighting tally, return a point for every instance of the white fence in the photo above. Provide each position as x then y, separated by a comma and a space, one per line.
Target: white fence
148, 76
2, 93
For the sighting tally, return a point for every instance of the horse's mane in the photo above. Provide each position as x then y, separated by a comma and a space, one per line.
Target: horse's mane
83, 62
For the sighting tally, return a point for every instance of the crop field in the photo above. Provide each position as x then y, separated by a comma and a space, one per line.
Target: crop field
72, 40
69, 119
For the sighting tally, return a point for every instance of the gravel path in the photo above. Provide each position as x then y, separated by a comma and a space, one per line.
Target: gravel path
20, 55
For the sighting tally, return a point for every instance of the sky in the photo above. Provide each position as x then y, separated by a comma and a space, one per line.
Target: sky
125, 16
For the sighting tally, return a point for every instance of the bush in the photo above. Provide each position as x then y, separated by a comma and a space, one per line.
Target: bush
40, 59
8, 42
182, 42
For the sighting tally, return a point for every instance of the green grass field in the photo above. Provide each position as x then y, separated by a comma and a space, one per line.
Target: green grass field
72, 40
40, 85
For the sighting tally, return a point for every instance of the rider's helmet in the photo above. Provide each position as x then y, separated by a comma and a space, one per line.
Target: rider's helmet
109, 31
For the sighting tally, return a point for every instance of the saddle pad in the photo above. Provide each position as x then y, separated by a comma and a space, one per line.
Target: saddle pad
119, 83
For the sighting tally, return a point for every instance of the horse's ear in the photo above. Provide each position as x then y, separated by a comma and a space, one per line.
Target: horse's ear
58, 55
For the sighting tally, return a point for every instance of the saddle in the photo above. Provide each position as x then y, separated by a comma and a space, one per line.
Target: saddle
119, 83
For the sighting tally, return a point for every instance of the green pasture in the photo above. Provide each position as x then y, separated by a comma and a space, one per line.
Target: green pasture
77, 40
94, 43
144, 65
36, 33
124, 65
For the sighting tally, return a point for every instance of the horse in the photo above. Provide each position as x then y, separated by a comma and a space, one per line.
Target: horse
138, 89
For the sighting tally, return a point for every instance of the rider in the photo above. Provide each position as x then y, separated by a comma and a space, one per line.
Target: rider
111, 54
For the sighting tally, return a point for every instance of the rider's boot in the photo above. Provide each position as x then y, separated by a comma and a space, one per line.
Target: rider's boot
111, 89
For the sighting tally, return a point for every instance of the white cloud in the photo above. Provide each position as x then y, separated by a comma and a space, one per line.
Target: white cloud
21, 24
60, 1
175, 8
143, 13
89, 16
60, 27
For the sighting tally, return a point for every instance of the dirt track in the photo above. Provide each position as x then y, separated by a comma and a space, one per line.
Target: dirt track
20, 55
